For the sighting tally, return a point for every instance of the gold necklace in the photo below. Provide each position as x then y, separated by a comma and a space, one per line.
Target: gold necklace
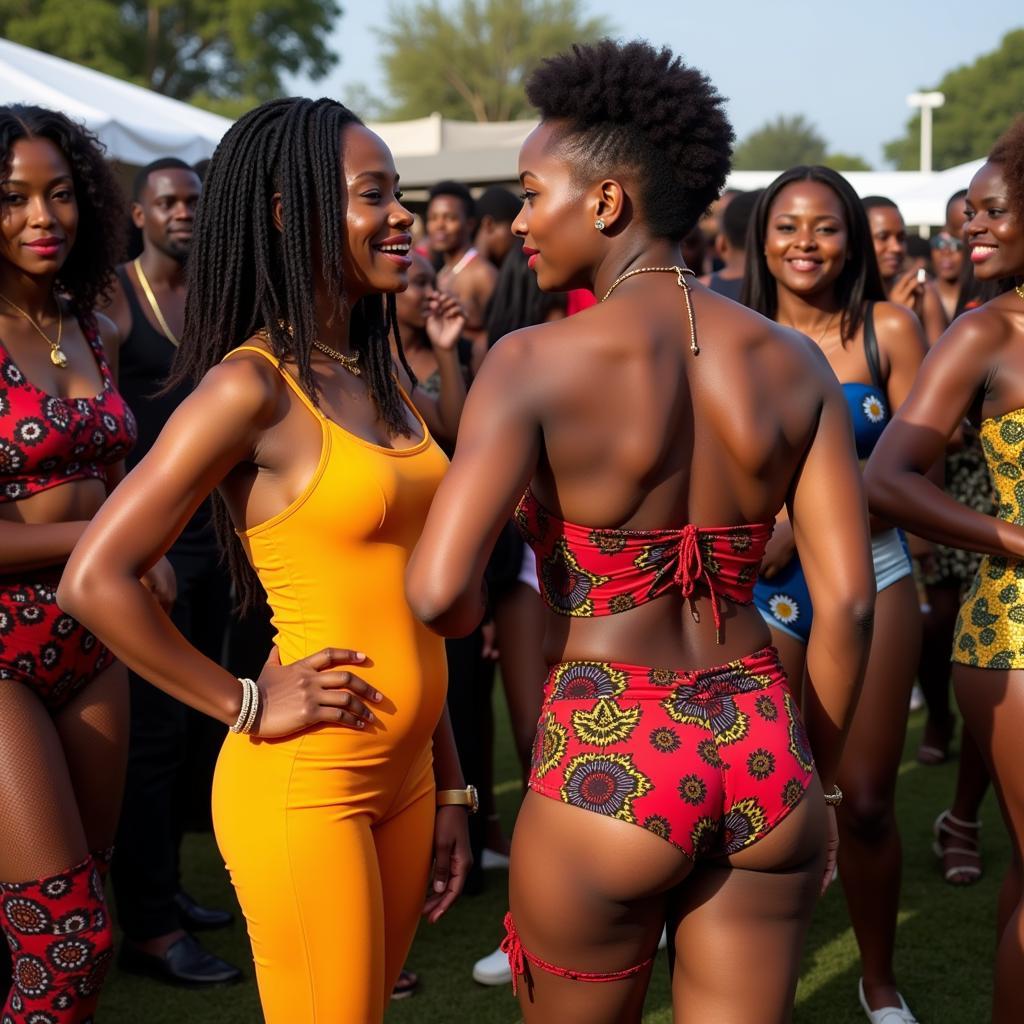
57, 356
350, 363
153, 304
1020, 291
680, 273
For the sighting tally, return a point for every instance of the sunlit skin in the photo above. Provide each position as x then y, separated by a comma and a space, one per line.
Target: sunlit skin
244, 432
956, 216
976, 370
431, 324
889, 234
450, 232
902, 286
806, 249
38, 228
598, 414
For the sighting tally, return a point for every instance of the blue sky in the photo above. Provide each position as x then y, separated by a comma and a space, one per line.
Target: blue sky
847, 67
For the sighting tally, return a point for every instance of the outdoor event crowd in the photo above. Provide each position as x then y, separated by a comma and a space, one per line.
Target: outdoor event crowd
227, 410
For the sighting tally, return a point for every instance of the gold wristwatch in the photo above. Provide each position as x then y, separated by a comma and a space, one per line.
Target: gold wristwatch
467, 798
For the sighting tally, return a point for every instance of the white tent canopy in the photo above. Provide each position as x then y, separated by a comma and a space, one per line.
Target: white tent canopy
434, 148
135, 124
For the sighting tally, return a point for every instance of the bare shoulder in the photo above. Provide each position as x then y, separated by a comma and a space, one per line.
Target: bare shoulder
481, 271
244, 384
893, 321
979, 333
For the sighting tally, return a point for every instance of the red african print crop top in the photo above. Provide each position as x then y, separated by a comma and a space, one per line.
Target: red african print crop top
46, 441
589, 571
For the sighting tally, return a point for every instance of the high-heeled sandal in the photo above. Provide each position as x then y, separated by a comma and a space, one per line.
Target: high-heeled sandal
954, 828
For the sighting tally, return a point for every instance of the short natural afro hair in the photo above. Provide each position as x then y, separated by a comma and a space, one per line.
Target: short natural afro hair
1009, 153
631, 108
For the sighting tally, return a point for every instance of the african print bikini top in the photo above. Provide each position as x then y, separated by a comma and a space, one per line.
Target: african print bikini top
46, 441
589, 571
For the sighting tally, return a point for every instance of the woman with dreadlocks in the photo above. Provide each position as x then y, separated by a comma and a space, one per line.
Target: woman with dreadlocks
324, 797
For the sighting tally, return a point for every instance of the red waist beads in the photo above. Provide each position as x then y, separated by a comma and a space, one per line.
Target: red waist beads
589, 571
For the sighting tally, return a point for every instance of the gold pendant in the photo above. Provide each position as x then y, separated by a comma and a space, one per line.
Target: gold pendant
58, 358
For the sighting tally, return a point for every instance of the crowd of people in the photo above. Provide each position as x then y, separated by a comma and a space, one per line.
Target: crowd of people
288, 472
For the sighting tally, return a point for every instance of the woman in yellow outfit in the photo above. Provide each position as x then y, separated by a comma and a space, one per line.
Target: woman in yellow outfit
324, 798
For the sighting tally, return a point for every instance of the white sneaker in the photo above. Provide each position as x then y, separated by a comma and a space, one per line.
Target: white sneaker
887, 1014
492, 860
493, 969
916, 698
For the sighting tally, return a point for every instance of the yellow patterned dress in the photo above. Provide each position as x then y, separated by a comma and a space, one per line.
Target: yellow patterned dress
990, 627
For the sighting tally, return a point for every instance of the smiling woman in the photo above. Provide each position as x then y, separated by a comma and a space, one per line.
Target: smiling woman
64, 430
324, 797
977, 371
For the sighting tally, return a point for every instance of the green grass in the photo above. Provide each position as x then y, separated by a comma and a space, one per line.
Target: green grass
943, 956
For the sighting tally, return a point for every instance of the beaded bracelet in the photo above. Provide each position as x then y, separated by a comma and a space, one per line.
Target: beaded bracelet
835, 798
250, 707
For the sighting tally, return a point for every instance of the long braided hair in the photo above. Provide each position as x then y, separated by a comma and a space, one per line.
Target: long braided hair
246, 275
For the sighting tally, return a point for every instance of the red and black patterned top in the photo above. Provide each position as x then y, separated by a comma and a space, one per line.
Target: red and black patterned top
590, 571
46, 441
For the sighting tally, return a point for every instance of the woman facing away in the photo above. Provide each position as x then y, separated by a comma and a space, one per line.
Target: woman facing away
324, 796
977, 370
811, 266
672, 777
64, 431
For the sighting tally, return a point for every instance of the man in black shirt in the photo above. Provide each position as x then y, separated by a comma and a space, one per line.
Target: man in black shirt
172, 748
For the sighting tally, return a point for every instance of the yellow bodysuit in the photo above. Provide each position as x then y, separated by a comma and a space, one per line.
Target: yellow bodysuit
328, 833
990, 627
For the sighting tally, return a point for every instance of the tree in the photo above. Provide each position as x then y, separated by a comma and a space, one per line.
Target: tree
223, 53
981, 100
846, 162
470, 61
779, 144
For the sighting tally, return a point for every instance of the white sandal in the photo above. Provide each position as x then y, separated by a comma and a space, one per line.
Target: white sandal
947, 824
887, 1014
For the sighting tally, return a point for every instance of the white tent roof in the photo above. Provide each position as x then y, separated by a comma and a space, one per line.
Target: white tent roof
135, 124
434, 148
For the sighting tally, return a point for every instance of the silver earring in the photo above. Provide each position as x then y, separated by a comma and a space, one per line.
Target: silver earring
599, 224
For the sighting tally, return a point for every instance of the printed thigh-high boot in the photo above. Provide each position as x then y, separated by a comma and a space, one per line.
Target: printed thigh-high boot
61, 943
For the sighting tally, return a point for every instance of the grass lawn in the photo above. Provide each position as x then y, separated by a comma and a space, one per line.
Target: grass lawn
944, 948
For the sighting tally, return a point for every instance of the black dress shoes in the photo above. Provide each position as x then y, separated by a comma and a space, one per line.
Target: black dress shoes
196, 918
185, 963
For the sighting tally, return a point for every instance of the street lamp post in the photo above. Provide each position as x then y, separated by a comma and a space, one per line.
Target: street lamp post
926, 102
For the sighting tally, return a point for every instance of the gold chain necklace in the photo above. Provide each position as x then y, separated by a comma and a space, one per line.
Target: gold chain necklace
350, 363
57, 356
680, 273
153, 304
1020, 291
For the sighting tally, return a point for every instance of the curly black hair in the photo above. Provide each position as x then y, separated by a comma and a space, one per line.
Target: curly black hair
858, 283
629, 108
1009, 152
88, 272
245, 275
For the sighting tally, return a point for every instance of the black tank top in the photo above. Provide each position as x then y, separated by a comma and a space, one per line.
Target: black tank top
730, 287
144, 364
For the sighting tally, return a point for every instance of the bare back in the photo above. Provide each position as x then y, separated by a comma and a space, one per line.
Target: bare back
613, 421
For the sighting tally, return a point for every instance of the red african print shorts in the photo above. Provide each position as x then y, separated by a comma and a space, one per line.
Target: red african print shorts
41, 646
710, 760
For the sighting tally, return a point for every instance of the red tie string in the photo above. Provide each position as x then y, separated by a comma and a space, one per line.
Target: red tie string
690, 569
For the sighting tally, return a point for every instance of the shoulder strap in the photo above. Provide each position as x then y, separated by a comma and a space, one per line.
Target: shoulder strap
289, 379
871, 348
